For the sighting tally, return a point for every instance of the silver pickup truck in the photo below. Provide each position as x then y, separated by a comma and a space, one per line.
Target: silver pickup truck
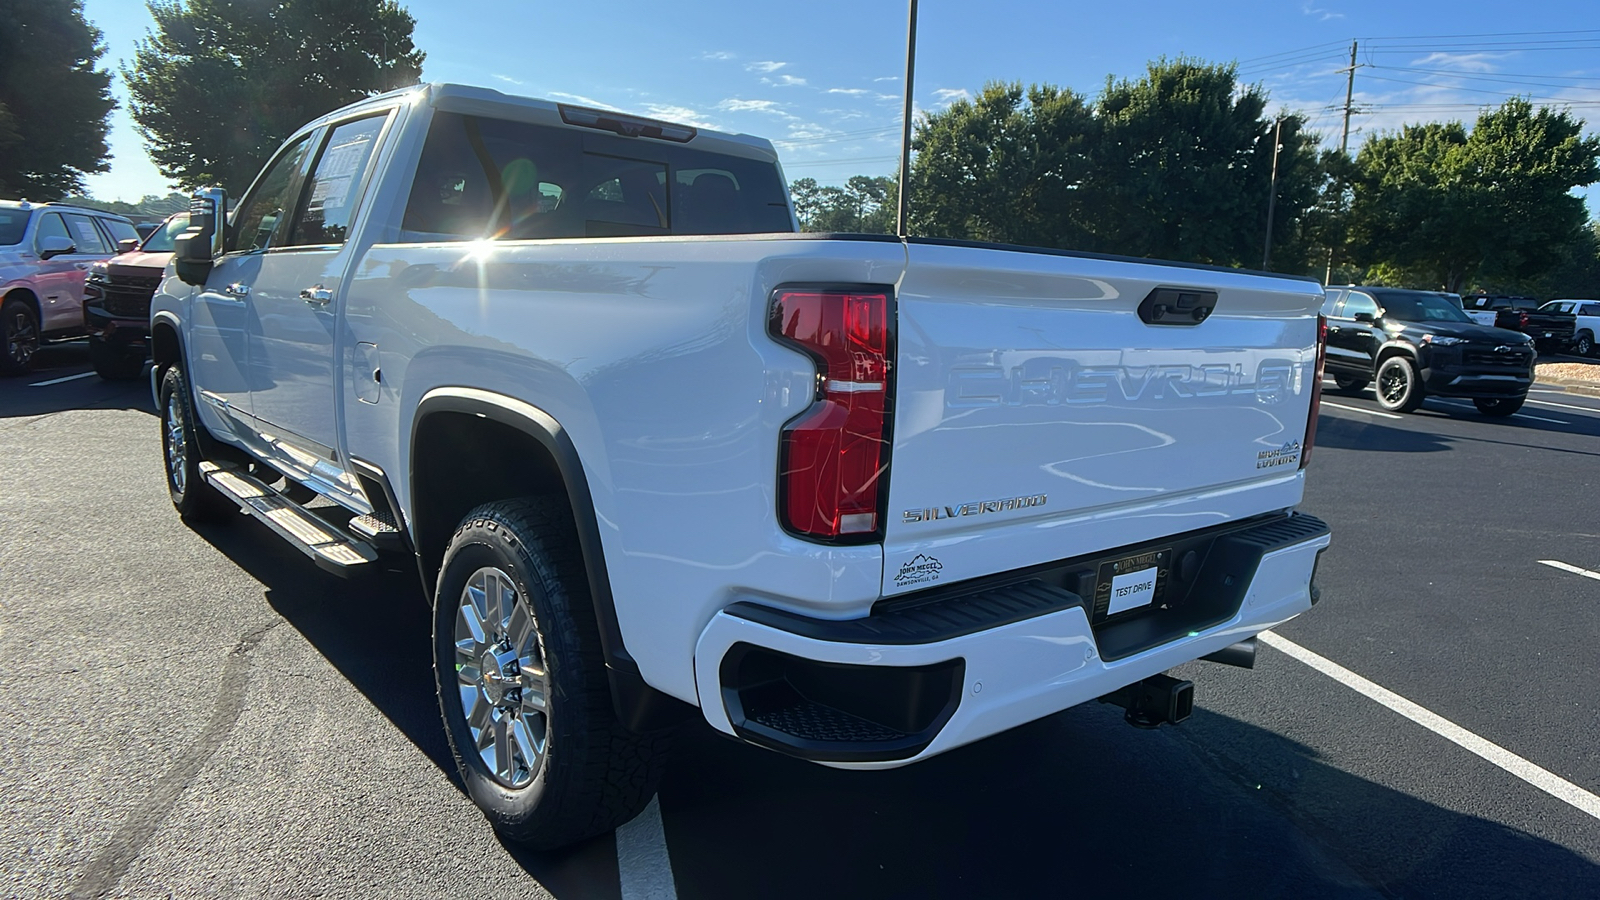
851, 498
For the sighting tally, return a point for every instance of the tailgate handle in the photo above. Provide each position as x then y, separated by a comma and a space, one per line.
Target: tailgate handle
1177, 306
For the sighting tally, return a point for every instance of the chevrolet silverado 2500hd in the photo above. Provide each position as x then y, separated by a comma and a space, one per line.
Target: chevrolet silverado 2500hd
856, 499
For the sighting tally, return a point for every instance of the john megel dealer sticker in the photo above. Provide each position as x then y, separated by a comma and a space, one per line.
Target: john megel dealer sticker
918, 570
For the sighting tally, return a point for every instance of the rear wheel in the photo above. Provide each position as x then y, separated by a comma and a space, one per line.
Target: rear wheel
522, 682
21, 336
1399, 386
114, 363
1498, 406
1350, 385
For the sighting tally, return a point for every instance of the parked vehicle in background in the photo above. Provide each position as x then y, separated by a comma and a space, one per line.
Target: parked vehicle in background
1586, 314
856, 499
1417, 343
45, 251
1551, 331
116, 301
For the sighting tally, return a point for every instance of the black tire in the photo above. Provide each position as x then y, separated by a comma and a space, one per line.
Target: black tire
1399, 386
592, 774
21, 336
192, 496
1583, 345
1350, 385
114, 363
1498, 406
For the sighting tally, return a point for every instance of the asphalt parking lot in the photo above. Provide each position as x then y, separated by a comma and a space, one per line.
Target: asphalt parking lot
203, 713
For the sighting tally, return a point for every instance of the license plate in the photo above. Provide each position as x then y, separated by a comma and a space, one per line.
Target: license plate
1130, 583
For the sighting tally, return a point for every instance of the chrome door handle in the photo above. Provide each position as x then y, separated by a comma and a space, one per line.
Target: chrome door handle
237, 289
316, 294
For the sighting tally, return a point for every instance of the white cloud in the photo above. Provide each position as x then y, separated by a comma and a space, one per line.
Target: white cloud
1321, 15
1462, 62
733, 104
950, 95
509, 80
854, 92
766, 66
716, 54
888, 78
784, 81
681, 115
586, 101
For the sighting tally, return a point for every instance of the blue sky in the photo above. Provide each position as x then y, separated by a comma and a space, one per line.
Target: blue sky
823, 78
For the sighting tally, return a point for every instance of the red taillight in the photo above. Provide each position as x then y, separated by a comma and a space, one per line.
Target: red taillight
834, 454
1522, 320
1316, 391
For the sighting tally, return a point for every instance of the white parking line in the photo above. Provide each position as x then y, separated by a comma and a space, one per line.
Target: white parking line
643, 866
59, 380
1587, 409
1541, 778
1566, 567
1370, 412
1515, 415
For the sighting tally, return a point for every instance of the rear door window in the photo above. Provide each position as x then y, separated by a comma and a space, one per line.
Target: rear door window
85, 235
481, 177
1590, 309
336, 182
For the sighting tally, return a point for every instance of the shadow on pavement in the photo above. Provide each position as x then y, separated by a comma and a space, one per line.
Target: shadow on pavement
375, 630
1081, 805
23, 395
1350, 434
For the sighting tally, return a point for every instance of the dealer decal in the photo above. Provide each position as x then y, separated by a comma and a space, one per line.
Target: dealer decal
920, 569
1288, 454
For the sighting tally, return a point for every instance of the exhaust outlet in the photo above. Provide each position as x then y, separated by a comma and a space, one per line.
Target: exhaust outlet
1242, 654
1153, 701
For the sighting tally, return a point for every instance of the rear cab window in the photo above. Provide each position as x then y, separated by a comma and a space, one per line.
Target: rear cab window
484, 177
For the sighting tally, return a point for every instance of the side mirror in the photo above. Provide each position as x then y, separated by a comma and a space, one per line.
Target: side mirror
54, 246
127, 245
1368, 318
197, 249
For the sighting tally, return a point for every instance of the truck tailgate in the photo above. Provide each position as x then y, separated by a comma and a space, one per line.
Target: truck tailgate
1039, 417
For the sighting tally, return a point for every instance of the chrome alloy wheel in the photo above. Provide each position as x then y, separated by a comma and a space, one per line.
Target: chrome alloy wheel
177, 444
501, 677
22, 338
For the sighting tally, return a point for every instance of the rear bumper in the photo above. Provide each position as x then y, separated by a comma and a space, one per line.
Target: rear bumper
921, 680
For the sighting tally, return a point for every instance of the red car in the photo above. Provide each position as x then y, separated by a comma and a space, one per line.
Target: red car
116, 300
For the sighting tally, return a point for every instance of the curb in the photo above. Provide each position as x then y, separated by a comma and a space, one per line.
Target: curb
1571, 385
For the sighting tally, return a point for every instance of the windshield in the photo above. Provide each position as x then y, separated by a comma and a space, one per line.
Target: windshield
160, 240
13, 223
1420, 306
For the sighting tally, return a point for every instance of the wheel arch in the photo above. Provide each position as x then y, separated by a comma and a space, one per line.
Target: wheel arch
470, 446
26, 295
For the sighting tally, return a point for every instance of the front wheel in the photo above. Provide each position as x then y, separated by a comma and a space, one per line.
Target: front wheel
522, 682
1584, 345
1498, 406
1399, 385
21, 336
192, 496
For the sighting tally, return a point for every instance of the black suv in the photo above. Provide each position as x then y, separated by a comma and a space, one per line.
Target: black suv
1416, 343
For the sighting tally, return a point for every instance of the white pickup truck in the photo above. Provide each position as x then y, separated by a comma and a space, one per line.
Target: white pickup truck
857, 499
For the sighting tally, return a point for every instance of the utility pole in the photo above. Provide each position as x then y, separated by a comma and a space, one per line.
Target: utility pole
905, 134
1349, 92
1272, 197
1344, 139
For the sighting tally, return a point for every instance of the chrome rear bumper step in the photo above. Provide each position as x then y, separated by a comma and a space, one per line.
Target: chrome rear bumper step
329, 546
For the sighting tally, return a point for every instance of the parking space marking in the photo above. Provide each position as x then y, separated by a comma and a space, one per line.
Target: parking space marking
1567, 567
59, 380
1587, 409
1515, 415
1370, 412
1539, 777
643, 866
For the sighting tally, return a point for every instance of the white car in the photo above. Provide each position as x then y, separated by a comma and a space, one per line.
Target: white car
1588, 315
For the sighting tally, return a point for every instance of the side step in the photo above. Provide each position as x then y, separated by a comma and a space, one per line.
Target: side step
330, 547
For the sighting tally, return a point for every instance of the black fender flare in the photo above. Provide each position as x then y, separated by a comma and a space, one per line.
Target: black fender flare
638, 706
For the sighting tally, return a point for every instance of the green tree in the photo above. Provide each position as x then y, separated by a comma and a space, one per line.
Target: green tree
866, 204
1183, 169
1491, 205
53, 101
1008, 166
219, 84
